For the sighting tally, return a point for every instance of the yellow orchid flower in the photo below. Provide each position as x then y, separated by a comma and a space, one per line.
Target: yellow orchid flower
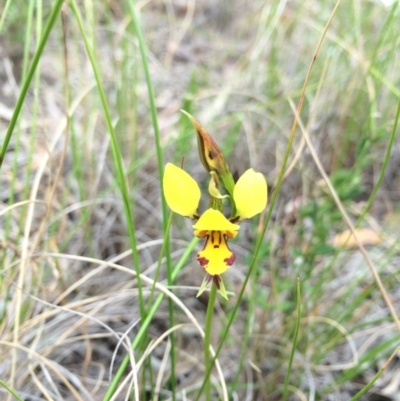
183, 195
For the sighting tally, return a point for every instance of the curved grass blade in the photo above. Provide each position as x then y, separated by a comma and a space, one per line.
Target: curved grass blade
145, 324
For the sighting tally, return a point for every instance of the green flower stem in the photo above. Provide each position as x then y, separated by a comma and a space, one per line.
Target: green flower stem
145, 324
207, 340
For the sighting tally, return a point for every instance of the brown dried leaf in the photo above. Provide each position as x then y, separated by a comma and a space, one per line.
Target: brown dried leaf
365, 235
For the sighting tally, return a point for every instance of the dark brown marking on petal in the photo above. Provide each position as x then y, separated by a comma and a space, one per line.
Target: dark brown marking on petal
217, 280
229, 261
226, 241
202, 261
207, 237
216, 238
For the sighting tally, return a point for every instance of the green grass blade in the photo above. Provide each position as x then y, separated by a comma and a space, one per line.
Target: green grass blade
36, 89
4, 14
116, 156
383, 168
365, 389
25, 86
25, 64
160, 166
153, 108
157, 272
296, 336
11, 391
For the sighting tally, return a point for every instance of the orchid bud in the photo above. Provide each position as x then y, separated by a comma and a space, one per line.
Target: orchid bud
211, 155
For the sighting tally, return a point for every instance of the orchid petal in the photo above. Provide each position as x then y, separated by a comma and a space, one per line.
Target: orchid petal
181, 191
250, 194
214, 220
216, 257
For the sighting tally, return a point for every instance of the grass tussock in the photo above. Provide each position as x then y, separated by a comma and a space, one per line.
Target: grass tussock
98, 284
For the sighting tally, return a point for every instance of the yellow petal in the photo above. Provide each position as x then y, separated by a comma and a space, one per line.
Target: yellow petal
214, 220
250, 194
181, 191
216, 257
